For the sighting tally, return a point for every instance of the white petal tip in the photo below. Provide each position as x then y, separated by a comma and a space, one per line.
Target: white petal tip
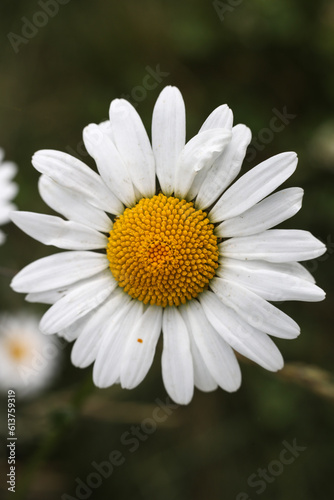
276, 365
182, 400
99, 380
119, 108
233, 386
170, 89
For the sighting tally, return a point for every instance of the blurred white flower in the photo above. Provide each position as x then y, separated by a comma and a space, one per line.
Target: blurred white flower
8, 191
28, 359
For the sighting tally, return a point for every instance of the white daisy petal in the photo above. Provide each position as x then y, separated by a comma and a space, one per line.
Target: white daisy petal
138, 194
72, 206
58, 270
107, 366
133, 145
78, 302
70, 334
75, 175
103, 319
198, 154
109, 163
272, 281
176, 361
73, 331
221, 117
274, 245
48, 297
168, 135
106, 127
217, 354
266, 214
51, 296
253, 186
255, 310
225, 168
140, 347
52, 230
245, 339
203, 379
300, 271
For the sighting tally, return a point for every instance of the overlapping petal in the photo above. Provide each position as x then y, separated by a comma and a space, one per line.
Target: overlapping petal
271, 281
254, 309
217, 354
253, 186
266, 214
87, 345
109, 162
133, 145
197, 155
176, 362
76, 176
245, 339
72, 205
107, 366
225, 168
77, 303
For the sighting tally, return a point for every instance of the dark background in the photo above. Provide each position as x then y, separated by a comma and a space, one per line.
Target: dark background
257, 56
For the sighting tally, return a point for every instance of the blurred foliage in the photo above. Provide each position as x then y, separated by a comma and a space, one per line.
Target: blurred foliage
261, 56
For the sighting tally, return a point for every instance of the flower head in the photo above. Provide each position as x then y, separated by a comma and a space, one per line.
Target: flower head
28, 359
179, 251
8, 191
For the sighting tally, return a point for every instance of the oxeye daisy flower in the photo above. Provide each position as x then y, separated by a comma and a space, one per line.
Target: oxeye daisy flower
28, 359
159, 242
8, 191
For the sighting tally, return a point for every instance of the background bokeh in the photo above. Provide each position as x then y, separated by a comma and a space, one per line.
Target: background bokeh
263, 58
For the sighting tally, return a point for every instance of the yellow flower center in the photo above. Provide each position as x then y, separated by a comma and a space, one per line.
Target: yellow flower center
163, 251
18, 349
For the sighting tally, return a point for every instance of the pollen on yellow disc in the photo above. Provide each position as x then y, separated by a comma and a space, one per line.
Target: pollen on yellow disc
163, 251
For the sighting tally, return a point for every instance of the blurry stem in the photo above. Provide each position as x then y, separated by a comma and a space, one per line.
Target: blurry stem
63, 420
311, 377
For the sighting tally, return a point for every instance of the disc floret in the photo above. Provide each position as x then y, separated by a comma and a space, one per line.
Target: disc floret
163, 251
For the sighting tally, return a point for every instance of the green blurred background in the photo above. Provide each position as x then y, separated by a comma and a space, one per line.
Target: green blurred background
257, 56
